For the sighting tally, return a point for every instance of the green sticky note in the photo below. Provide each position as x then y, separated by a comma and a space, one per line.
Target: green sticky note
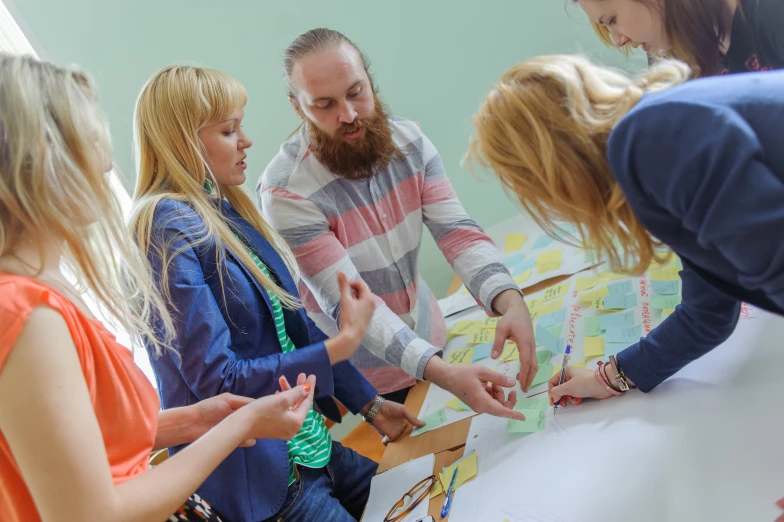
620, 302
555, 330
544, 356
534, 421
540, 403
665, 301
617, 320
543, 375
592, 327
433, 420
620, 288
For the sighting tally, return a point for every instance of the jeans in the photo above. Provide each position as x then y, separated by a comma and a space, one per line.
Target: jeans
335, 493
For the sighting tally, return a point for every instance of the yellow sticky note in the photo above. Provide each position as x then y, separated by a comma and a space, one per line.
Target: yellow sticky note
436, 489
556, 291
482, 336
593, 295
547, 308
549, 261
460, 357
514, 242
489, 322
466, 468
665, 274
672, 261
457, 404
509, 353
465, 327
606, 277
522, 278
593, 346
464, 290
533, 303
584, 283
666, 312
557, 369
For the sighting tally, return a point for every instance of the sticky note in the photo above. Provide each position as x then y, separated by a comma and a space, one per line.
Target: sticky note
620, 302
555, 330
593, 346
464, 327
665, 301
591, 256
544, 356
457, 404
623, 335
546, 308
533, 304
666, 287
432, 421
534, 421
674, 260
620, 288
548, 262
666, 312
466, 468
552, 319
522, 278
564, 230
665, 274
591, 327
482, 336
544, 374
616, 320
557, 368
514, 242
543, 241
518, 266
509, 353
541, 402
584, 283
592, 295
489, 322
481, 351
606, 277
614, 348
436, 489
556, 291
460, 357
546, 339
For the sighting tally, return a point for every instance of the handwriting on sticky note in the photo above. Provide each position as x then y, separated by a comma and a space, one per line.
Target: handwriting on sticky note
591, 327
522, 278
514, 242
556, 291
584, 283
489, 323
534, 421
593, 295
619, 302
593, 346
509, 353
457, 404
665, 301
460, 357
629, 335
482, 336
464, 327
666, 287
546, 308
665, 274
432, 421
620, 288
548, 261
482, 351
467, 467
616, 320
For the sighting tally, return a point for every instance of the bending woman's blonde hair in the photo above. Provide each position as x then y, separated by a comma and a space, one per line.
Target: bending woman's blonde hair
54, 188
544, 129
171, 163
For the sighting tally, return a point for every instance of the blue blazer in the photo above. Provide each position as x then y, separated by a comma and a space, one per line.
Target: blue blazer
227, 342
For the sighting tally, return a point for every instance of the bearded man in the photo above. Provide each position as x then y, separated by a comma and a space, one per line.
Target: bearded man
350, 191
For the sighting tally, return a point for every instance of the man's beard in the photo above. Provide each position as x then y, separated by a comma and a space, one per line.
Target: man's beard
359, 158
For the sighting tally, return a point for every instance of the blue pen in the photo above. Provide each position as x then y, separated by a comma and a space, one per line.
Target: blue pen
449, 494
563, 371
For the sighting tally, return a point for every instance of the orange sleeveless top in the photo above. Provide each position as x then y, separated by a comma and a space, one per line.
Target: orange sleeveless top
125, 403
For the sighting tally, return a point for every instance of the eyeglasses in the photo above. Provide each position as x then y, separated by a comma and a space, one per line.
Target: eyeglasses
410, 500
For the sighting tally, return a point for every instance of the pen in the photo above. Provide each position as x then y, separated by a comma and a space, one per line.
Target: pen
449, 493
563, 372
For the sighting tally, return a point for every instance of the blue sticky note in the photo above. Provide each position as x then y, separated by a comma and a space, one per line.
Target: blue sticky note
553, 318
555, 330
521, 265
620, 288
666, 287
482, 351
623, 335
614, 348
546, 339
543, 241
618, 320
621, 302
565, 231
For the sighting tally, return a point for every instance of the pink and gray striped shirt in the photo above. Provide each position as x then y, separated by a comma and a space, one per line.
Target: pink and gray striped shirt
372, 229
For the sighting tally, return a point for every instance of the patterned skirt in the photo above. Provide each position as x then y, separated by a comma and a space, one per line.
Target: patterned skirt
197, 509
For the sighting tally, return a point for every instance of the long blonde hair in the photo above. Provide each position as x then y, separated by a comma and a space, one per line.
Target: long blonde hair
543, 130
171, 163
54, 153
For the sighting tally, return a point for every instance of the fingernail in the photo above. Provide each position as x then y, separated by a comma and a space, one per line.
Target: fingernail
510, 381
780, 503
551, 401
306, 387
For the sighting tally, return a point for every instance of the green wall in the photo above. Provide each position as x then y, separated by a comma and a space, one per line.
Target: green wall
433, 60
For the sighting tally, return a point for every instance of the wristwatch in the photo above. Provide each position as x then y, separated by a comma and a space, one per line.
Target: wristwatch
371, 414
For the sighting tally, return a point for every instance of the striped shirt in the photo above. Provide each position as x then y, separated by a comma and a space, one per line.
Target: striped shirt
372, 229
312, 445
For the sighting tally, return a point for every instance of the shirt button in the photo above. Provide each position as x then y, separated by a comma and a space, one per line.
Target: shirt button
384, 215
408, 281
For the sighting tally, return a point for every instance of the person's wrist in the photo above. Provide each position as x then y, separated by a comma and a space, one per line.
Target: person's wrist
341, 346
507, 300
436, 371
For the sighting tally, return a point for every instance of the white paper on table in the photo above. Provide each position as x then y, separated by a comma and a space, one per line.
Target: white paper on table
389, 487
704, 445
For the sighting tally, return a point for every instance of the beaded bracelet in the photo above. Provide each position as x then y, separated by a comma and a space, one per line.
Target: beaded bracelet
603, 380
